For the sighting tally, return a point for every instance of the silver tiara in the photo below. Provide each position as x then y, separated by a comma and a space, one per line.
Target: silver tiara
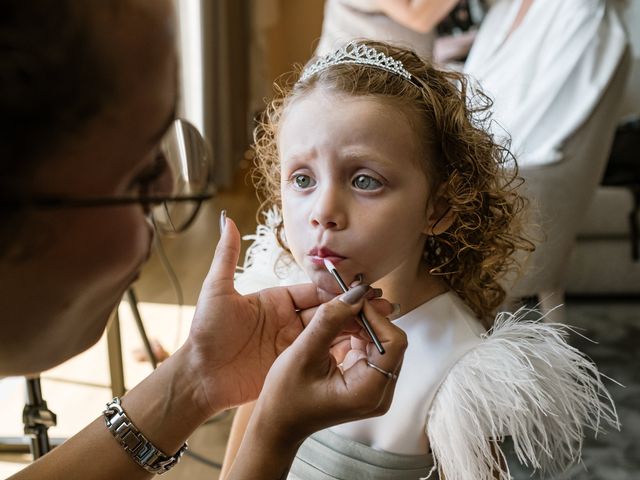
358, 54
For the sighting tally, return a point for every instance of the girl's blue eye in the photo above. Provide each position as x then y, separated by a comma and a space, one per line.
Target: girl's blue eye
365, 182
304, 181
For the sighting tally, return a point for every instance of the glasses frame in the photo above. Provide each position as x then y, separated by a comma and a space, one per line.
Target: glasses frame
148, 202
55, 203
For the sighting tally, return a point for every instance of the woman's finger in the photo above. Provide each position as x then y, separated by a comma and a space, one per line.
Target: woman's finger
225, 259
372, 380
329, 322
392, 337
380, 304
306, 295
353, 356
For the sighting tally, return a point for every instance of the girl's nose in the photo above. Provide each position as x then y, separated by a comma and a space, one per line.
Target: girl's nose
329, 210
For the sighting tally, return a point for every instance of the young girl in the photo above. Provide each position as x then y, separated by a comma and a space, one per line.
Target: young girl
379, 162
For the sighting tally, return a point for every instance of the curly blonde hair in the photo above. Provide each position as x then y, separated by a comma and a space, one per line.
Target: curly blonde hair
476, 175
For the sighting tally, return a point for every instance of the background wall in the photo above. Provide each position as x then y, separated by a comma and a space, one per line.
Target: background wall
285, 32
296, 34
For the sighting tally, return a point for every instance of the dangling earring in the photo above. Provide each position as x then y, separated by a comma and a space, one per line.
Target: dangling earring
432, 251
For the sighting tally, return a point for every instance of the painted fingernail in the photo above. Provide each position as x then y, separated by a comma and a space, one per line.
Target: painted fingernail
223, 220
395, 310
374, 293
354, 295
357, 281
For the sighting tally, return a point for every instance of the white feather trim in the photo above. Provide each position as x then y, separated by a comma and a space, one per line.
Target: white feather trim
525, 381
266, 263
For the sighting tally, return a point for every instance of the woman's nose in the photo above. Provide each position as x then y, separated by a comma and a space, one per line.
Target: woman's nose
329, 210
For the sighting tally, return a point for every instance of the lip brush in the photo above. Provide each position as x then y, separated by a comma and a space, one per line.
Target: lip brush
365, 323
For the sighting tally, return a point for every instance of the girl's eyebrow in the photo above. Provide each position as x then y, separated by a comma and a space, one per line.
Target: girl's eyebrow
348, 154
297, 155
367, 155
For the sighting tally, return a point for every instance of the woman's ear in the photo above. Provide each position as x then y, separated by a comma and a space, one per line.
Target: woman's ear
439, 214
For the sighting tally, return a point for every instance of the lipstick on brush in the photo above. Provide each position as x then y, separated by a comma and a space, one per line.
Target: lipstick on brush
365, 323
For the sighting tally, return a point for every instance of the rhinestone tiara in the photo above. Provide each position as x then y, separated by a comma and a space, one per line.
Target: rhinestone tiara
357, 54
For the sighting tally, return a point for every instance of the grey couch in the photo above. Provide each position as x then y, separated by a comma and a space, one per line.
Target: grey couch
601, 262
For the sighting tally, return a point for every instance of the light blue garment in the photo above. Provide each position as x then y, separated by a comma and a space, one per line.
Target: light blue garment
326, 455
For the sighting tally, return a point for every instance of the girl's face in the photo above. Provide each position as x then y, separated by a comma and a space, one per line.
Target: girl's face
353, 189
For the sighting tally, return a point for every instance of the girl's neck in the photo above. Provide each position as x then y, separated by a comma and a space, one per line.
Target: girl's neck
411, 287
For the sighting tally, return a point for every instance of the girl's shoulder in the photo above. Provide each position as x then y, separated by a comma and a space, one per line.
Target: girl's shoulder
523, 380
444, 318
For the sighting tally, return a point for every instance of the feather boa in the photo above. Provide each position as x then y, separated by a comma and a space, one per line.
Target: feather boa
266, 264
523, 381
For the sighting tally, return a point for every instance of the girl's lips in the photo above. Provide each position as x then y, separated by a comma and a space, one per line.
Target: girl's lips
317, 256
317, 260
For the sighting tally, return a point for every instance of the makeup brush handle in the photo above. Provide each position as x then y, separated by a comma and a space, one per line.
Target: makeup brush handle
372, 334
363, 319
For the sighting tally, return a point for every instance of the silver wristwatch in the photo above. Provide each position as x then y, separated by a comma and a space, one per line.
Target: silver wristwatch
142, 451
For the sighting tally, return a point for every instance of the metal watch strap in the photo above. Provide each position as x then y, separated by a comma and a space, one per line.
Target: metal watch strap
141, 450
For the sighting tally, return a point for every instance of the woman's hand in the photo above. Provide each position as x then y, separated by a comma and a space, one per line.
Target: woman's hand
305, 390
235, 339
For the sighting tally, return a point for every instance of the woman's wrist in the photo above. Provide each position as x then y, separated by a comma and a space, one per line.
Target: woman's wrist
169, 404
267, 447
270, 423
206, 381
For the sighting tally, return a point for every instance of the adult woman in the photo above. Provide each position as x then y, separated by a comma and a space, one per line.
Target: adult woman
554, 71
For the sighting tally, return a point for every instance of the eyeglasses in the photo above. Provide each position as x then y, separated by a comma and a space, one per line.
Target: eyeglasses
182, 180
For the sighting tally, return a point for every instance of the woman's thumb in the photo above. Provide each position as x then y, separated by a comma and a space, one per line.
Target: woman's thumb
226, 256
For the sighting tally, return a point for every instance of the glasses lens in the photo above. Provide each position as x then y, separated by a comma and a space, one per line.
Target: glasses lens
189, 159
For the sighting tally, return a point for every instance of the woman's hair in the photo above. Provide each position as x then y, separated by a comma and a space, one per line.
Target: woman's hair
476, 175
53, 80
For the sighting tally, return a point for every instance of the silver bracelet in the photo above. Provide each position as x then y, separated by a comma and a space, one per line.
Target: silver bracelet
141, 450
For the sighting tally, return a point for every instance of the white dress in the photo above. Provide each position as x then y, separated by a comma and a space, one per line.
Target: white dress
547, 77
459, 386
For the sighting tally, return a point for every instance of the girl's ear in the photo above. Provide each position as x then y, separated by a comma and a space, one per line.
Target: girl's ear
440, 217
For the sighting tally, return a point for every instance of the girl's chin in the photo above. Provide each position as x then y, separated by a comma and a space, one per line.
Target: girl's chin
325, 281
